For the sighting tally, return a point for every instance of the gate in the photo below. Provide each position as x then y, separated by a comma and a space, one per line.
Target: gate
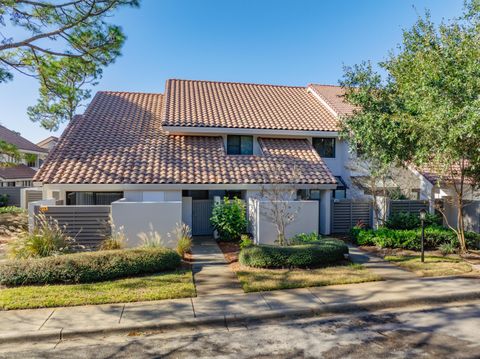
346, 213
201, 213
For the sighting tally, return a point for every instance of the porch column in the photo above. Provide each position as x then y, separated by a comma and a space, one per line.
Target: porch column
325, 211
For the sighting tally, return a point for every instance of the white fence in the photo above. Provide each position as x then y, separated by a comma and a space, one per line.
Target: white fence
140, 219
263, 227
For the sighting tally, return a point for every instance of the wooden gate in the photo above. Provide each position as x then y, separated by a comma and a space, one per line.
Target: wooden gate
346, 213
201, 213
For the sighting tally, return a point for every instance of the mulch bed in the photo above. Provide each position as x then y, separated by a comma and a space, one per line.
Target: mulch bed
230, 251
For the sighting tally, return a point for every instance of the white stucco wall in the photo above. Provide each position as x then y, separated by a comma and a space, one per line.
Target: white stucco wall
264, 231
134, 218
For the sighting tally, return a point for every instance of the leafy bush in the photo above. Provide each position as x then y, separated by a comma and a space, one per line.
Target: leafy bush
88, 267
245, 241
11, 210
3, 200
406, 220
229, 219
304, 238
183, 235
326, 251
409, 239
46, 239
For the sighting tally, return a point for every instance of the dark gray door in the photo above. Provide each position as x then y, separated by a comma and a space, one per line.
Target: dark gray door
201, 213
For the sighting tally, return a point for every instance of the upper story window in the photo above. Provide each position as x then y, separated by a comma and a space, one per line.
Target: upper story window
325, 146
239, 145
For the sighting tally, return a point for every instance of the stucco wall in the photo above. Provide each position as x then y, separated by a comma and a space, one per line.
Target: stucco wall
135, 218
264, 230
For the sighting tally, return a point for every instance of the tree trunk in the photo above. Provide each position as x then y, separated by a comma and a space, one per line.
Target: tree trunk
461, 227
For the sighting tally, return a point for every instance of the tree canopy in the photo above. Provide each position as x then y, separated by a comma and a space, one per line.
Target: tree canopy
422, 105
65, 45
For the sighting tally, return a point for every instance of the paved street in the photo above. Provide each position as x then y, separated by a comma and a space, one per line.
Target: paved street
448, 331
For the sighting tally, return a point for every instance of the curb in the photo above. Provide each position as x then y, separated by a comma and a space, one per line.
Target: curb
227, 319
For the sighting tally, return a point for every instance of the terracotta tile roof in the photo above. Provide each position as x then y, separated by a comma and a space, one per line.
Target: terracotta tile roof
16, 172
17, 140
120, 139
333, 96
434, 175
240, 105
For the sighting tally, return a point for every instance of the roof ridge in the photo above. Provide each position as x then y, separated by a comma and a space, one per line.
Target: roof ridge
237, 83
130, 92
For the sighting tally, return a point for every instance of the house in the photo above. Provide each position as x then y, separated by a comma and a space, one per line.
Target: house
163, 158
48, 143
21, 174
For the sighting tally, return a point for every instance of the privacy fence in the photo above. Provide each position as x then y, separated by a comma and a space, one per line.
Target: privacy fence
88, 225
347, 213
13, 194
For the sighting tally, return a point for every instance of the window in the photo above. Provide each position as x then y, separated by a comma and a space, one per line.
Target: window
92, 198
341, 191
325, 147
31, 159
11, 184
233, 194
239, 145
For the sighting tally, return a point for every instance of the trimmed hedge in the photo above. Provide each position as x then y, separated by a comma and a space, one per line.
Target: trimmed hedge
88, 267
327, 251
410, 239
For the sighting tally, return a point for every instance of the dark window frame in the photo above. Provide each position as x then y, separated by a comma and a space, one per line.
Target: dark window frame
69, 201
239, 145
319, 144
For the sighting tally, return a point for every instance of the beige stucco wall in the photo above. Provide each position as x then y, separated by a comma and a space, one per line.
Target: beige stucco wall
264, 230
135, 218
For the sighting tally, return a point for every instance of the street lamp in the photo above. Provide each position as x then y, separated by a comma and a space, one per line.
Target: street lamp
423, 215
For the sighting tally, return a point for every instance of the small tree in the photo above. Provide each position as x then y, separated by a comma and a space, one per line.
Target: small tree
229, 219
279, 195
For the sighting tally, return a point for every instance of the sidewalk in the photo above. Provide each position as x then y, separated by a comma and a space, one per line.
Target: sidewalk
229, 310
211, 273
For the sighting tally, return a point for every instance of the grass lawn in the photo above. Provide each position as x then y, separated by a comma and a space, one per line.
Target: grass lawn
434, 265
256, 279
169, 285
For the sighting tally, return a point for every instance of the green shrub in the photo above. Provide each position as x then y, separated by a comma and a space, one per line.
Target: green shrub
4, 200
229, 219
304, 238
405, 239
88, 267
406, 220
245, 241
46, 239
326, 251
11, 210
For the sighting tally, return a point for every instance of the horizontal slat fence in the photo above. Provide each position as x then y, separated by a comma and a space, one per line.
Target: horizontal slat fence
407, 206
88, 225
33, 196
347, 213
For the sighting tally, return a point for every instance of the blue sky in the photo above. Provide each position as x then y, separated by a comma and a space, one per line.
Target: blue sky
261, 41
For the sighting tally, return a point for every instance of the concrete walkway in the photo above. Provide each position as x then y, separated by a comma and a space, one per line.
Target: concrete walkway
378, 265
211, 273
228, 310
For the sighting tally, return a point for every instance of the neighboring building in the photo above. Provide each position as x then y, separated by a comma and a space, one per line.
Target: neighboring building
48, 143
21, 174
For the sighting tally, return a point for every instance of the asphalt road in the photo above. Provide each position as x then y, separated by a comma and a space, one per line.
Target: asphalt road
444, 332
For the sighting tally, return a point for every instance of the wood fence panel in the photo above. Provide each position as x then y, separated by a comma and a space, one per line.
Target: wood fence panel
88, 225
346, 213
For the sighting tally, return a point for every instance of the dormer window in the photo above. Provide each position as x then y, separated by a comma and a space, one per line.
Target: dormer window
325, 147
239, 145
